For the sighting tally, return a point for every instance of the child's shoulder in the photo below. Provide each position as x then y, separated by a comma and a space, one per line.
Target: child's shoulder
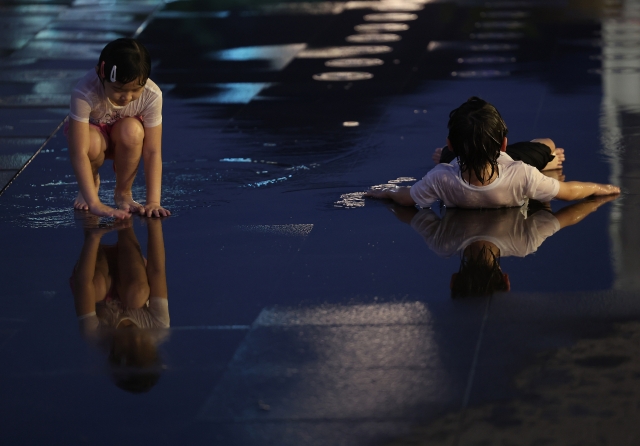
152, 87
89, 81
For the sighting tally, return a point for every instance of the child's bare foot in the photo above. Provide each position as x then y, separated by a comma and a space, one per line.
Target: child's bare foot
436, 155
79, 203
556, 163
555, 174
126, 203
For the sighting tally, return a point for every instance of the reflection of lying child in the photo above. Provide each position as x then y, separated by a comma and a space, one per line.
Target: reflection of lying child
484, 174
119, 296
482, 237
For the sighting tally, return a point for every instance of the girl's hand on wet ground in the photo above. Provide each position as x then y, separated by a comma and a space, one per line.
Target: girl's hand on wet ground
607, 189
102, 210
154, 210
376, 193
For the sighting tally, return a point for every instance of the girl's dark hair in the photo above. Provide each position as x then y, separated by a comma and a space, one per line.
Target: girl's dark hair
476, 132
479, 275
131, 59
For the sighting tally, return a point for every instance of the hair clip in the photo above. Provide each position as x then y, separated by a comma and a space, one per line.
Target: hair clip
112, 77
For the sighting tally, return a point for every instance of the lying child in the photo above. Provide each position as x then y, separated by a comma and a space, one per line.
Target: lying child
484, 175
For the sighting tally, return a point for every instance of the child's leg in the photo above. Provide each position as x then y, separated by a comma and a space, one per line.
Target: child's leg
558, 153
127, 136
132, 283
97, 148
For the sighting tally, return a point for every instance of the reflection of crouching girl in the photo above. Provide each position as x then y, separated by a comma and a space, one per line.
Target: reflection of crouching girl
121, 302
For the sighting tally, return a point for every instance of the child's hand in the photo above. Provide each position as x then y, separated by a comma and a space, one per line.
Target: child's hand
607, 189
376, 193
102, 210
154, 210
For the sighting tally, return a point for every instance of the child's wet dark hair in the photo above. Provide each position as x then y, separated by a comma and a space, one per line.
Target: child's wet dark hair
479, 275
134, 361
130, 59
476, 132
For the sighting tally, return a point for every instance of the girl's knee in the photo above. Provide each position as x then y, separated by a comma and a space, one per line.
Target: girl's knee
97, 145
547, 142
128, 131
135, 295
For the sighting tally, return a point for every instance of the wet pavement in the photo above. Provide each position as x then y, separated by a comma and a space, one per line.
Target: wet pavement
301, 313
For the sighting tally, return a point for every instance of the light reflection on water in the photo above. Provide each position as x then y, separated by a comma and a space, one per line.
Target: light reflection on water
480, 73
350, 359
470, 46
496, 36
341, 76
343, 51
388, 5
291, 230
390, 17
373, 38
231, 93
354, 63
278, 56
381, 27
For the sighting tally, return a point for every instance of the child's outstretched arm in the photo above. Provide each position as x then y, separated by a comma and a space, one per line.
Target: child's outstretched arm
152, 158
575, 213
576, 190
81, 153
400, 195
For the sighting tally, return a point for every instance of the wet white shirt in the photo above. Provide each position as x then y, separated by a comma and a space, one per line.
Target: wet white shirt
153, 315
516, 182
510, 230
89, 103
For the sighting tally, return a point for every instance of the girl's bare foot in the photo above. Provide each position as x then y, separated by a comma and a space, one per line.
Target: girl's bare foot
556, 163
126, 203
79, 203
555, 174
436, 155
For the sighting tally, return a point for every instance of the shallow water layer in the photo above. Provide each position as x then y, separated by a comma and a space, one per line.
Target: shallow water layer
300, 311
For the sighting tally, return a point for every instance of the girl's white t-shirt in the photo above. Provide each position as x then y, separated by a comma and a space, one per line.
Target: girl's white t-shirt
89, 103
516, 182
511, 230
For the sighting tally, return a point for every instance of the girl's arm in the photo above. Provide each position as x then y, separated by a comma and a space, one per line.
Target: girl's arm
576, 190
400, 195
576, 212
156, 272
152, 158
84, 296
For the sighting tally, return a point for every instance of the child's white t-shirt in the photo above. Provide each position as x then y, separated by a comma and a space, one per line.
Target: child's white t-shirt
89, 103
510, 230
153, 315
516, 182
